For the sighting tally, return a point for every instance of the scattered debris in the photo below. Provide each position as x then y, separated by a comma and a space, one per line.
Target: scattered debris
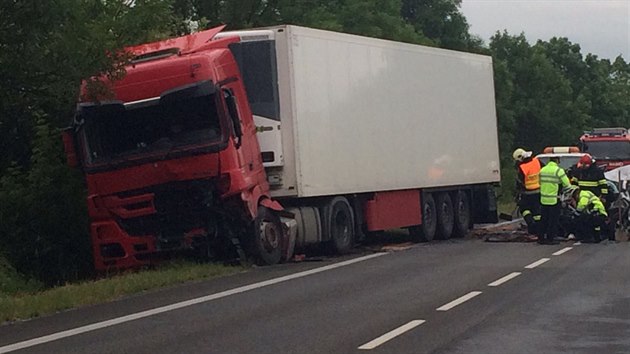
397, 247
510, 236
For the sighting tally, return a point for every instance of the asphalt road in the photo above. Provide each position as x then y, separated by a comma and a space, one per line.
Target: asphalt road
463, 296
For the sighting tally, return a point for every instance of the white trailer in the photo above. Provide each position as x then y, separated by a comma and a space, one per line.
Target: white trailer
362, 134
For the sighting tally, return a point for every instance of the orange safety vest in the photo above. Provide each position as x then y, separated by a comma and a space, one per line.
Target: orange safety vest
531, 171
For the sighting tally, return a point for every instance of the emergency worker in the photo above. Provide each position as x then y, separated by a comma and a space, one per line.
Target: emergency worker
552, 178
589, 177
592, 216
528, 187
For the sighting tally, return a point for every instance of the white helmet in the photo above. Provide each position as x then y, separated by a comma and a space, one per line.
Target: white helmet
520, 154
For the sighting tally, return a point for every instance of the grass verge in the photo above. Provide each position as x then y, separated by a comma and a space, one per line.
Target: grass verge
29, 305
506, 207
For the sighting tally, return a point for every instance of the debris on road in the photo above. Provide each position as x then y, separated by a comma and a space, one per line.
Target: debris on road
397, 247
504, 232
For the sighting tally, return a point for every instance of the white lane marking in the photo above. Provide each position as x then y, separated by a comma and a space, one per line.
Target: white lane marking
537, 263
505, 279
564, 250
391, 334
458, 301
179, 305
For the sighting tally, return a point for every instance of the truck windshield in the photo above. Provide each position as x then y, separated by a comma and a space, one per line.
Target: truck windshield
609, 150
114, 132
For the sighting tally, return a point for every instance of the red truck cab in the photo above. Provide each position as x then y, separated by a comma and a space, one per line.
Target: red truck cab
609, 146
172, 162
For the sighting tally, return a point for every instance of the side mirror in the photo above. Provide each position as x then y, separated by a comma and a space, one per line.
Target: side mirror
236, 123
70, 147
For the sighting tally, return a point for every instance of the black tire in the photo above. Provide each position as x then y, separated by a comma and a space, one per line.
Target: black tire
462, 213
426, 231
445, 216
340, 225
266, 245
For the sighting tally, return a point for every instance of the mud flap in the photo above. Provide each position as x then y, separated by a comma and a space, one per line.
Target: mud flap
484, 204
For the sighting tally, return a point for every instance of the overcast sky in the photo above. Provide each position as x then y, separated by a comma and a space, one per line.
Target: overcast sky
601, 27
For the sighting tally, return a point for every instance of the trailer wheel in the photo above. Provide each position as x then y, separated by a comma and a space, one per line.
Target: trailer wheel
340, 224
461, 206
426, 231
445, 217
267, 242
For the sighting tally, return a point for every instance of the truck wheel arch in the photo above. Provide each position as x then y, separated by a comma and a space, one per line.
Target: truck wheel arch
256, 197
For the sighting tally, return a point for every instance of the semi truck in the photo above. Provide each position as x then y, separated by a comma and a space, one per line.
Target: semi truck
609, 146
270, 140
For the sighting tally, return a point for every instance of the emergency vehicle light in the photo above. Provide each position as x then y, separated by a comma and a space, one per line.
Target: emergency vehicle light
606, 132
561, 149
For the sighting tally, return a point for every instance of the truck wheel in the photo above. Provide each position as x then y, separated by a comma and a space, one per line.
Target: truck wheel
267, 242
426, 231
461, 206
340, 225
445, 217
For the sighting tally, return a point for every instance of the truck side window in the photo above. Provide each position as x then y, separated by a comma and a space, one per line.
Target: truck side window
230, 101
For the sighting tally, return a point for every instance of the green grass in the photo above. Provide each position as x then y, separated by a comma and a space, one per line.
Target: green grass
34, 304
12, 282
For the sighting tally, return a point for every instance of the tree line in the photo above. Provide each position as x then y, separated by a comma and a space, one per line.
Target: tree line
547, 93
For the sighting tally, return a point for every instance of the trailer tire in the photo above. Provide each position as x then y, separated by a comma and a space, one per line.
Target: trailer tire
426, 231
462, 211
266, 245
340, 225
445, 216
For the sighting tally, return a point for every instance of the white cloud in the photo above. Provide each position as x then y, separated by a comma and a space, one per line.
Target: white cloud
600, 27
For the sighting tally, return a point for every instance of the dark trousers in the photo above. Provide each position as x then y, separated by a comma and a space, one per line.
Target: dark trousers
529, 206
590, 227
549, 220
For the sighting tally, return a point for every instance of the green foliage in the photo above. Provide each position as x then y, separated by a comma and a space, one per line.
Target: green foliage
43, 229
13, 283
46, 49
442, 22
376, 18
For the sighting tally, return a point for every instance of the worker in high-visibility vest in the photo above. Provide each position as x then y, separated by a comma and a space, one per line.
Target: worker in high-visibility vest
592, 216
528, 187
589, 177
552, 178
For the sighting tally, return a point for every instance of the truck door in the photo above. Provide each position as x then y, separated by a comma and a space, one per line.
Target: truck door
246, 143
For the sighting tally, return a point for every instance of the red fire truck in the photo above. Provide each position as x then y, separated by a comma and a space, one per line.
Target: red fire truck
609, 146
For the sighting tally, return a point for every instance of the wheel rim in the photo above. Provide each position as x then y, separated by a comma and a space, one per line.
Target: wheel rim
340, 226
269, 235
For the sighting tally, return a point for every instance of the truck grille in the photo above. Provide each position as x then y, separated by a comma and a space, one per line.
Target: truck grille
181, 207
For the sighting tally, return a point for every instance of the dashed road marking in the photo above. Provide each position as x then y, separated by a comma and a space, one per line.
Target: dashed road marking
537, 263
505, 279
391, 334
564, 250
458, 301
